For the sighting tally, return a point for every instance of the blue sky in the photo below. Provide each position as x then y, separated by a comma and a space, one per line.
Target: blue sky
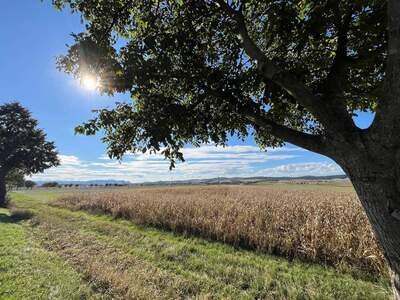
33, 34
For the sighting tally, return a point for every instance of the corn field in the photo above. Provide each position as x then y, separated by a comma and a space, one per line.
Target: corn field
328, 227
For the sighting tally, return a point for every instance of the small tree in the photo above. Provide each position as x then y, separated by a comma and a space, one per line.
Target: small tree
23, 146
29, 184
50, 184
287, 71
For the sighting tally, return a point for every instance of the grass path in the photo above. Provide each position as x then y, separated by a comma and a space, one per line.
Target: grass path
78, 255
27, 271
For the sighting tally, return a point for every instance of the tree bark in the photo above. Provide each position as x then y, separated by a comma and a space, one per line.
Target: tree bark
3, 192
379, 193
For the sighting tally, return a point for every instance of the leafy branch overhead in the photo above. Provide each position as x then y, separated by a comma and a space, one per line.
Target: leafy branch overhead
197, 71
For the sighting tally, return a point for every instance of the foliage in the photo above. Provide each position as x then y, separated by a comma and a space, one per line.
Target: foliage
50, 184
15, 179
198, 71
23, 147
30, 184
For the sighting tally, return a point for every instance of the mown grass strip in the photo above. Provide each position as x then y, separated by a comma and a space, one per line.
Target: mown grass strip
27, 271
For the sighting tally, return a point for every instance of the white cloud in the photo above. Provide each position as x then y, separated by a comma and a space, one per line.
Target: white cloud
69, 160
302, 169
203, 162
220, 152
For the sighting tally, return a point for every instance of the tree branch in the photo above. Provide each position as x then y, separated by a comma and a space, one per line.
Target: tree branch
333, 87
367, 55
286, 80
252, 112
337, 74
307, 141
114, 21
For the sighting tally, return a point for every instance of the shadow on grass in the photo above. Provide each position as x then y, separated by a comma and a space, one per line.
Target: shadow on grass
16, 216
4, 218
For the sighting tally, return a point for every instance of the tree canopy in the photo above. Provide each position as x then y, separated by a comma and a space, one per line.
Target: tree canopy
22, 145
293, 71
30, 184
50, 184
15, 179
24, 149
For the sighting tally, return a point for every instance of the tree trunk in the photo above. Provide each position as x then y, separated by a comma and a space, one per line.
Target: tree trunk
379, 193
3, 192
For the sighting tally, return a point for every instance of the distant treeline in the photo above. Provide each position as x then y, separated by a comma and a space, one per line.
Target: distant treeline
53, 184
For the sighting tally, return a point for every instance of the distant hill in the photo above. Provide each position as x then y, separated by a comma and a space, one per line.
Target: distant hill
217, 180
240, 180
89, 182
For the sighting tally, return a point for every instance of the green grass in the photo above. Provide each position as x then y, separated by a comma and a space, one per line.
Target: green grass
75, 255
27, 271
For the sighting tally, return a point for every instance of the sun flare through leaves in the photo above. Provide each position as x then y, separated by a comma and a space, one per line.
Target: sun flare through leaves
89, 82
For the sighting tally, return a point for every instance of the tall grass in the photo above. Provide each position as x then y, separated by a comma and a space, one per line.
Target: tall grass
321, 226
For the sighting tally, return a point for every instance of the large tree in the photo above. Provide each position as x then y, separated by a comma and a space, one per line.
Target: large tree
15, 179
23, 147
286, 71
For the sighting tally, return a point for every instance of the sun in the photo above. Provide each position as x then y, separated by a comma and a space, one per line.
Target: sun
89, 82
